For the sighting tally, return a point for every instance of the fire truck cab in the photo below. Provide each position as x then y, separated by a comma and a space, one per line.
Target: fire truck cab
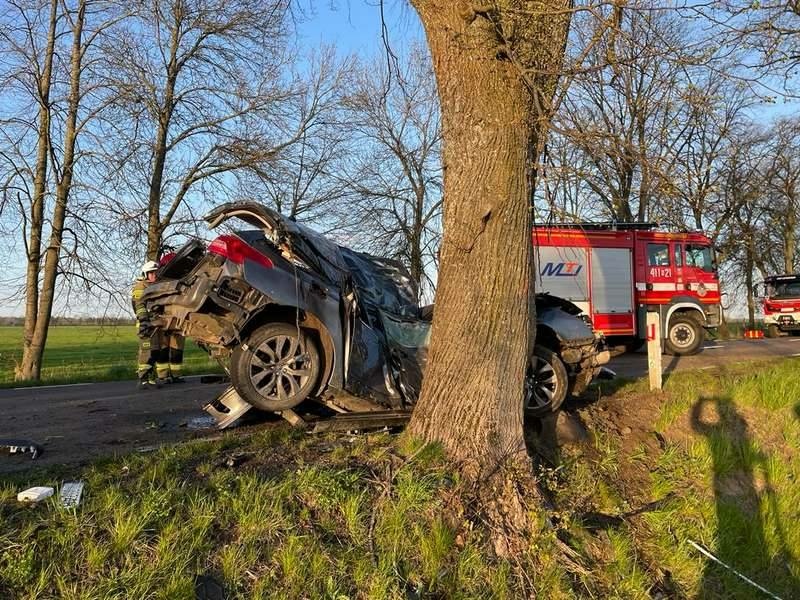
781, 304
618, 272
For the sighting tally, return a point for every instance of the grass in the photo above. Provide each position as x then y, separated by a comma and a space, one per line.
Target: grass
294, 521
379, 517
77, 354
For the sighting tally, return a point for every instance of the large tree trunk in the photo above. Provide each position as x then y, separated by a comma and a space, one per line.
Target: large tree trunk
471, 400
29, 366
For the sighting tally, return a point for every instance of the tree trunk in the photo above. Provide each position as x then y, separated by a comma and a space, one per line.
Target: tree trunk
155, 228
29, 367
789, 232
471, 400
749, 285
63, 187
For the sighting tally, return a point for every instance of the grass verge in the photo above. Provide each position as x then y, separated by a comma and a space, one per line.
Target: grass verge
714, 458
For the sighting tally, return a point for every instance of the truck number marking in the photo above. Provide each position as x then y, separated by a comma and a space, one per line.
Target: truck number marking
660, 271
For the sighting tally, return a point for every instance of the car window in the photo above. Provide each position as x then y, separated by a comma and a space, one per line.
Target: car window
409, 334
789, 289
658, 255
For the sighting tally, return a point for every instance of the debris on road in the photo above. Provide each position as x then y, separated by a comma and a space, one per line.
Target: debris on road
35, 494
70, 494
21, 446
227, 408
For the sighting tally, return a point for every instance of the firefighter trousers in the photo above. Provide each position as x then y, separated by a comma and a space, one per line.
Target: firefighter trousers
171, 353
150, 349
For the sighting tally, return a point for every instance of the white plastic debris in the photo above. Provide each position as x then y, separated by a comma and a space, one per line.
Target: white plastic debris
70, 494
35, 494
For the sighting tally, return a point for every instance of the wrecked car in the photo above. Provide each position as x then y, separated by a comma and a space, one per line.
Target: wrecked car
298, 316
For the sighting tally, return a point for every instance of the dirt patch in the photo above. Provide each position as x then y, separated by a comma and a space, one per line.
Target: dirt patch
628, 421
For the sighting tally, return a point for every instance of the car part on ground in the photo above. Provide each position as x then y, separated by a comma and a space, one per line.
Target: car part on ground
18, 446
298, 316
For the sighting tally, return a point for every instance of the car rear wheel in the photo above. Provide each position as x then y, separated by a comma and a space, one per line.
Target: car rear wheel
546, 383
773, 331
685, 336
276, 368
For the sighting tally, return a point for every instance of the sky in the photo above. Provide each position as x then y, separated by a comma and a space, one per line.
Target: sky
355, 25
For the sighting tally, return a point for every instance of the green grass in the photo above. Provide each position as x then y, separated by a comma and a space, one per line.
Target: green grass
77, 353
311, 524
380, 517
728, 469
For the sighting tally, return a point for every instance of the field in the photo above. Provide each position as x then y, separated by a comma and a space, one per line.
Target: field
714, 459
78, 353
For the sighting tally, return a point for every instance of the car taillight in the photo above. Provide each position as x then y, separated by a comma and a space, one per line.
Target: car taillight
235, 250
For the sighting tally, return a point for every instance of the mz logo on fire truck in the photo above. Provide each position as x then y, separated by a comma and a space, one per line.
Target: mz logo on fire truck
562, 269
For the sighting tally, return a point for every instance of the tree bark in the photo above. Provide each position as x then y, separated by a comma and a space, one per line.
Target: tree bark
495, 107
31, 363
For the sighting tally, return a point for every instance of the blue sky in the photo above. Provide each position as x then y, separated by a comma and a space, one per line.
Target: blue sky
355, 25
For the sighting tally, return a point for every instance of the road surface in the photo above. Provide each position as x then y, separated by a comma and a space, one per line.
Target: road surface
78, 423
714, 354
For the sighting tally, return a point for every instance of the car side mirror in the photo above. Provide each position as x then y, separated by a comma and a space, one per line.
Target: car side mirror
724, 301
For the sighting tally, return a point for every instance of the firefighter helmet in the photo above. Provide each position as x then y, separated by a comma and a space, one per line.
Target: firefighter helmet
149, 267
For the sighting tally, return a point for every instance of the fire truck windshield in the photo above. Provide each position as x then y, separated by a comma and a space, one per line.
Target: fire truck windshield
784, 289
700, 257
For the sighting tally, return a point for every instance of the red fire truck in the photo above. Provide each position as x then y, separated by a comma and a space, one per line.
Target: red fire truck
781, 304
618, 272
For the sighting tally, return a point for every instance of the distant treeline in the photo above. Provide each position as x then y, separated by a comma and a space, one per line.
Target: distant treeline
103, 321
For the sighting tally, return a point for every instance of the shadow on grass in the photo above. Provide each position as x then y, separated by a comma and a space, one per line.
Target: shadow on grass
746, 505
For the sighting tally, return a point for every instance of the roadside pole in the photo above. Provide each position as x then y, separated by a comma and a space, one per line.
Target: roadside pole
654, 349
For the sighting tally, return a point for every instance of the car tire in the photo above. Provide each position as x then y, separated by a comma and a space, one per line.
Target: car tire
685, 336
773, 331
276, 368
546, 383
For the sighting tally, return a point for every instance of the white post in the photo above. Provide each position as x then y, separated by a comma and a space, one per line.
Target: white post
654, 349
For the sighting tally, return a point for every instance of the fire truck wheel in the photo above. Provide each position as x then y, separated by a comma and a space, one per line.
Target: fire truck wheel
685, 335
545, 383
773, 331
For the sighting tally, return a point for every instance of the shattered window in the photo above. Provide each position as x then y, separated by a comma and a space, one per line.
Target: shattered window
409, 334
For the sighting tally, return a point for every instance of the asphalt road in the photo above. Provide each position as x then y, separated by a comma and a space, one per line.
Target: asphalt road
714, 354
78, 423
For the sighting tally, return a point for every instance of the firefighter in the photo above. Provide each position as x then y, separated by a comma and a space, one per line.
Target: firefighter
172, 342
149, 335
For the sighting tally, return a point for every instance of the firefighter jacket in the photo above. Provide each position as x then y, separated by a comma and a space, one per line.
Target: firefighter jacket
139, 307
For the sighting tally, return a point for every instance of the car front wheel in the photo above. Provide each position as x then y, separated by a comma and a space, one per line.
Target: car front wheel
545, 383
276, 368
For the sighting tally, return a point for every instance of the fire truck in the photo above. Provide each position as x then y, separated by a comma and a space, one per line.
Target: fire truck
617, 272
781, 304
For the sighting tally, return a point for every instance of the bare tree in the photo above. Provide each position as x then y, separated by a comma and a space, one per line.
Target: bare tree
203, 94
40, 63
304, 180
782, 184
395, 170
622, 110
